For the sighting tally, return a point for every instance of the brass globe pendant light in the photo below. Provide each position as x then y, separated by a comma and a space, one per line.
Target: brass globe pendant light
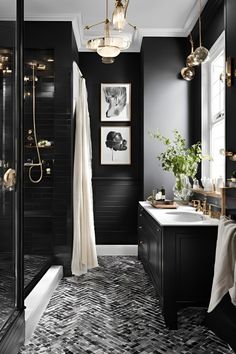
191, 60
188, 72
201, 54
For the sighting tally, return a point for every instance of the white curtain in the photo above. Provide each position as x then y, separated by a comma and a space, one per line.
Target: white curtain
84, 255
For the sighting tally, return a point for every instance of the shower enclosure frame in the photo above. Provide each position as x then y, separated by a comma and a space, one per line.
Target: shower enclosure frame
13, 334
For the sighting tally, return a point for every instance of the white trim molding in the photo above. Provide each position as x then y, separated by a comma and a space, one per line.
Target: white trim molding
38, 299
117, 250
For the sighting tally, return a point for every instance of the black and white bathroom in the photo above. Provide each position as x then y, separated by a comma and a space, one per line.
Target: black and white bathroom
117, 176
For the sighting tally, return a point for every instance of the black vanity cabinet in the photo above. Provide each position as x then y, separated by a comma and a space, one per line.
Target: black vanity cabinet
180, 262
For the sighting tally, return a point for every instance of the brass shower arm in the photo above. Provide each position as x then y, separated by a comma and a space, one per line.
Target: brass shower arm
95, 24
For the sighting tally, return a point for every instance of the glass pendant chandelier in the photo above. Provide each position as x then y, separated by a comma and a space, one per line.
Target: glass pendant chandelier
201, 54
109, 47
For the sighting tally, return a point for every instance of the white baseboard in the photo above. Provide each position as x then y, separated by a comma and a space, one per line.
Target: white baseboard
117, 250
38, 299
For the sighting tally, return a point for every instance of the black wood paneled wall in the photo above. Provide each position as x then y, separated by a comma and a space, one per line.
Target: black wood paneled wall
117, 189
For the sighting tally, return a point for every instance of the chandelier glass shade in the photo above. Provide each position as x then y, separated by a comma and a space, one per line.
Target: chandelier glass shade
118, 16
113, 45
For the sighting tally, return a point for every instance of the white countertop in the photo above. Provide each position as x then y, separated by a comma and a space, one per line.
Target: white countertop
166, 217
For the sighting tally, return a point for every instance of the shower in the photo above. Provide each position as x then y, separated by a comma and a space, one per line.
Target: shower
35, 66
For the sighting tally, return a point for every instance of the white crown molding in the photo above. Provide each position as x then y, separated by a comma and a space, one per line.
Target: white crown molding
50, 17
157, 32
193, 17
162, 32
78, 30
81, 35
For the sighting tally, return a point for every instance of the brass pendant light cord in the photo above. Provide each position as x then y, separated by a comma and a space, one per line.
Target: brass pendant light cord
191, 41
107, 22
200, 24
106, 9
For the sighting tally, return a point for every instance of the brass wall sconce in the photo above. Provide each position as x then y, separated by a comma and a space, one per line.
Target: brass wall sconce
4, 64
230, 154
228, 72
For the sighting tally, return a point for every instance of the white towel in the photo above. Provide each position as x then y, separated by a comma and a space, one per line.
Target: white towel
224, 279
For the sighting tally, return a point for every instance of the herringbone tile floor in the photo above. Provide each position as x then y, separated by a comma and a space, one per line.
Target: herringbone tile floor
113, 310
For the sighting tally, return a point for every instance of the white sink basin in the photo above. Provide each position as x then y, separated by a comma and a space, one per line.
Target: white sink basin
183, 216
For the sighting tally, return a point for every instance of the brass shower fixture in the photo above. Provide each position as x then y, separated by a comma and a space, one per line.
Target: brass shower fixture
37, 66
4, 66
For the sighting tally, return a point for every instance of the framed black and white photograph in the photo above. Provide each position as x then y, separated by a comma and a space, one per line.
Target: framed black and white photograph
115, 145
115, 102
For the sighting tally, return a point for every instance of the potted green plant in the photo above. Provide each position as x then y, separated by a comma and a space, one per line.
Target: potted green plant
182, 161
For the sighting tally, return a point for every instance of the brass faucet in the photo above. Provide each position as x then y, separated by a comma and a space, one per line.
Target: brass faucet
196, 204
201, 206
205, 208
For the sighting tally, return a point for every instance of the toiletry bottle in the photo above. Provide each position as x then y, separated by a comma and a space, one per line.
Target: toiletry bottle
154, 192
158, 195
163, 193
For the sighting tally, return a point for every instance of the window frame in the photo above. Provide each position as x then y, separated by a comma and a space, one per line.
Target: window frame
206, 116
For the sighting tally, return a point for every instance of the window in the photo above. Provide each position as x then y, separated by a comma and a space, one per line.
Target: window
213, 110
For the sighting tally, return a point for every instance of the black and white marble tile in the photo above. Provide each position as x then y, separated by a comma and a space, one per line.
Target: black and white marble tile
114, 309
32, 266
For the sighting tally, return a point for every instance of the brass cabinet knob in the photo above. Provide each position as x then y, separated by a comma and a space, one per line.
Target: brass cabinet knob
141, 242
140, 227
9, 178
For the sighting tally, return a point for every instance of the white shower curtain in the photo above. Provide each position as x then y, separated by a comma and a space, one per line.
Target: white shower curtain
84, 255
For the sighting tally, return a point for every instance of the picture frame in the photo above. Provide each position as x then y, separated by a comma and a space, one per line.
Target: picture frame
115, 145
115, 102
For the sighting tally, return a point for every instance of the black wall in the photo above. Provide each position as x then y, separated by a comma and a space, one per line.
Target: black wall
56, 225
212, 27
166, 103
217, 17
7, 48
117, 189
231, 91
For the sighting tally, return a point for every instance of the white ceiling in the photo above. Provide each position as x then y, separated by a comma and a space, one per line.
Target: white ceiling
152, 17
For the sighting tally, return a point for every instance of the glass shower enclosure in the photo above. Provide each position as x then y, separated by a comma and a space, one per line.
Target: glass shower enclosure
11, 295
